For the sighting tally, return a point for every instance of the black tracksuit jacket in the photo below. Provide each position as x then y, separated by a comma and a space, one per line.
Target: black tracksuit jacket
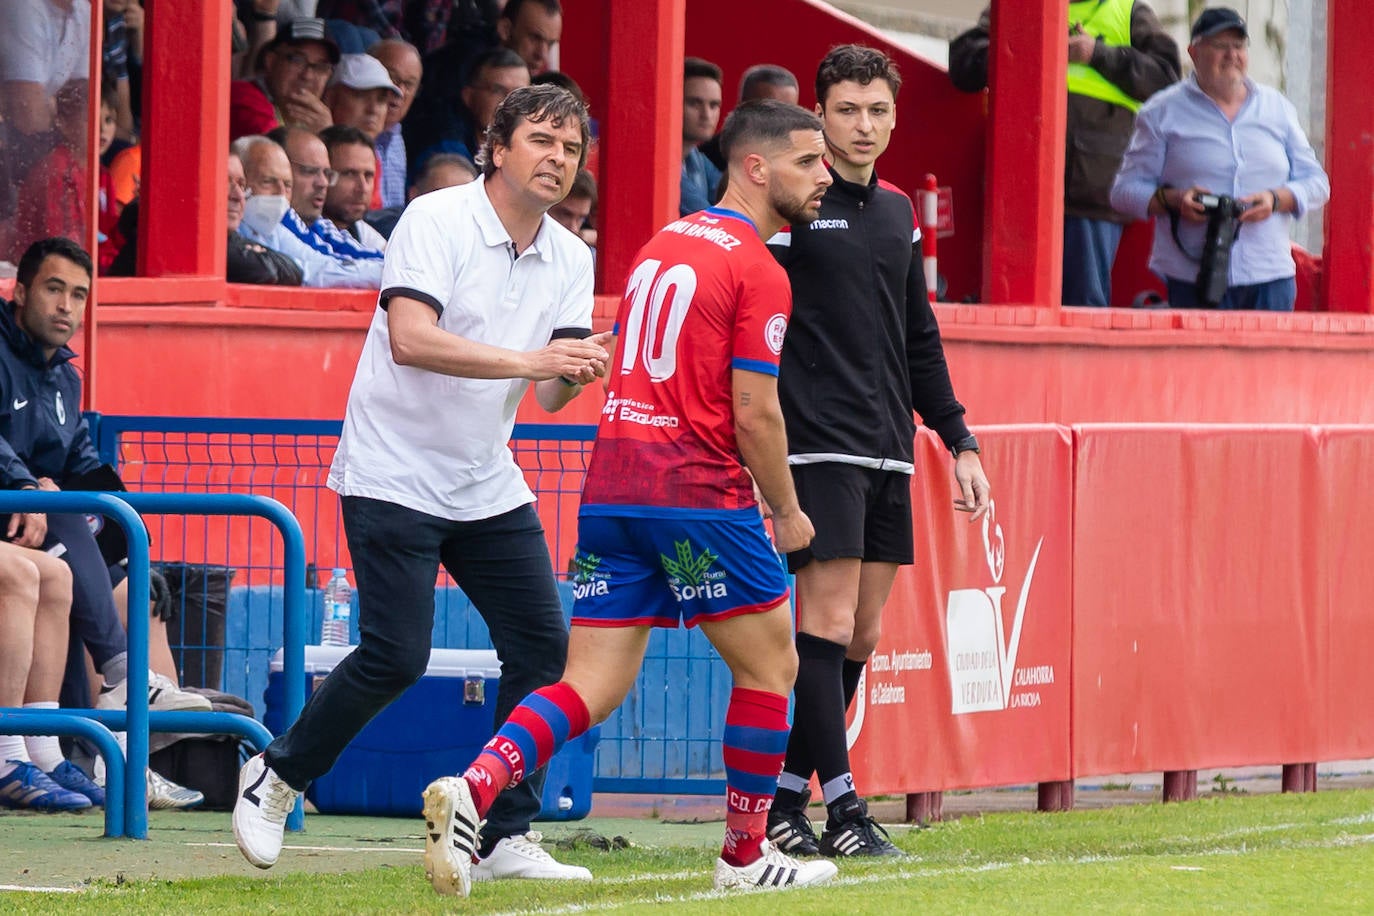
863, 349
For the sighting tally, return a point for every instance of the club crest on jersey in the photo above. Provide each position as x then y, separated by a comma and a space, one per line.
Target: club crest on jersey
775, 332
690, 574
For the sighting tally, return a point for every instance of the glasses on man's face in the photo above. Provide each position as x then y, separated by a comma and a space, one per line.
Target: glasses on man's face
316, 68
331, 177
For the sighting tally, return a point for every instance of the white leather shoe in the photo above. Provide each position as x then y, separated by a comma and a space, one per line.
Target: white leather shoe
523, 857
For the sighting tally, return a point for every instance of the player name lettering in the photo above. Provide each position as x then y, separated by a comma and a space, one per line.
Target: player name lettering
709, 233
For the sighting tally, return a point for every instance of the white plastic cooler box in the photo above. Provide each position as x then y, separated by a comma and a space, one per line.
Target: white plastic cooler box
435, 728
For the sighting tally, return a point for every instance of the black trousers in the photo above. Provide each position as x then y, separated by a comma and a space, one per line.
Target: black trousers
501, 563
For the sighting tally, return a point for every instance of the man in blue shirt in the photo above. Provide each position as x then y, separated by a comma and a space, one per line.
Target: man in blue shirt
1220, 133
701, 94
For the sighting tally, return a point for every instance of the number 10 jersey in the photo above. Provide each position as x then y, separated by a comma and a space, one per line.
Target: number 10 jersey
705, 297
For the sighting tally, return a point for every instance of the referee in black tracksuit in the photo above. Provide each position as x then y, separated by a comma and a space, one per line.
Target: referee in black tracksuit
862, 353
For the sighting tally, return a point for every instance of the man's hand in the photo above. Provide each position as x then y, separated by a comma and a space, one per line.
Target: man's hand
1259, 206
973, 484
582, 361
1081, 48
1185, 202
28, 529
792, 531
133, 17
47, 483
302, 109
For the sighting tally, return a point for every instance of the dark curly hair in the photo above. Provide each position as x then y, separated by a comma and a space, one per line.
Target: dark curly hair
534, 104
861, 64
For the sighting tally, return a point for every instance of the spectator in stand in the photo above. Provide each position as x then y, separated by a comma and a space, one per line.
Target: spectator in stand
402, 62
761, 81
360, 94
354, 159
266, 212
312, 177
52, 197
442, 170
288, 89
443, 124
121, 53
258, 21
532, 28
107, 208
1119, 55
46, 45
574, 211
35, 600
701, 95
1220, 133
45, 444
247, 262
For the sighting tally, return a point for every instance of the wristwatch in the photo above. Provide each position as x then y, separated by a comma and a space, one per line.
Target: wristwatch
967, 444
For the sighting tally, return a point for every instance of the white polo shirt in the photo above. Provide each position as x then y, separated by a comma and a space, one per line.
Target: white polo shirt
45, 44
437, 443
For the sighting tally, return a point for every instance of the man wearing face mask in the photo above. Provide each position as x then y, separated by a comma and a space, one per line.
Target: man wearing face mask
313, 182
267, 172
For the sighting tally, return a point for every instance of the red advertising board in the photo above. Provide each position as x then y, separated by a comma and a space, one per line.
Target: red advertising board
1200, 625
969, 685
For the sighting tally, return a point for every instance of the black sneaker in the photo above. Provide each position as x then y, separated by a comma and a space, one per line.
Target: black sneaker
856, 835
790, 829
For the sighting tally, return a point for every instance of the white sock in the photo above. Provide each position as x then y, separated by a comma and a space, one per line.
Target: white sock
12, 752
44, 750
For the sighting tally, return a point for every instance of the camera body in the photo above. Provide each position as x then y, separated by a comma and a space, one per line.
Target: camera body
1223, 224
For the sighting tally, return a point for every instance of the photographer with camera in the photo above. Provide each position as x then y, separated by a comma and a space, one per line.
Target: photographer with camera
1224, 167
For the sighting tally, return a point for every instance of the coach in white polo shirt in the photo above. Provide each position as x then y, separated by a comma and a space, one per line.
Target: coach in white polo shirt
482, 293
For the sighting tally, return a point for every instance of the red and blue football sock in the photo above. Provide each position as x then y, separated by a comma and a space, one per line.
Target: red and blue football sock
545, 721
755, 742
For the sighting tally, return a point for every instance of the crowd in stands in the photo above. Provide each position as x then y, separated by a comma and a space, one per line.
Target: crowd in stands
336, 83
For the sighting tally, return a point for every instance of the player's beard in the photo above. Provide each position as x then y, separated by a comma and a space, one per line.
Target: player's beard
793, 208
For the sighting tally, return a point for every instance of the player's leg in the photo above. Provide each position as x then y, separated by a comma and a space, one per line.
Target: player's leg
602, 665
23, 784
849, 831
759, 651
606, 648
395, 552
503, 565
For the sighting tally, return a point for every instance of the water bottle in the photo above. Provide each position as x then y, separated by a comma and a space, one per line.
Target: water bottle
338, 607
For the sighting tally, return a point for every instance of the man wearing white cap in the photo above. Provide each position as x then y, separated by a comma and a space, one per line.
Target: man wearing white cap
359, 94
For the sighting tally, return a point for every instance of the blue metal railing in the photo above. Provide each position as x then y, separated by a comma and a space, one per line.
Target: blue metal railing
136, 717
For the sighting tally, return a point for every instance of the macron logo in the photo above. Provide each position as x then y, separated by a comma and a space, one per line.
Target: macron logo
829, 224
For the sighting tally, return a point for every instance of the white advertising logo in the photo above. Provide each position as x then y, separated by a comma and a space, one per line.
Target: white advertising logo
982, 659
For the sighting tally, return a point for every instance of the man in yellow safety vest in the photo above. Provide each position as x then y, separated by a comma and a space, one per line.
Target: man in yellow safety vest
1119, 55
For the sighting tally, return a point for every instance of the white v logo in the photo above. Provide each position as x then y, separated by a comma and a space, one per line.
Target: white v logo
1007, 650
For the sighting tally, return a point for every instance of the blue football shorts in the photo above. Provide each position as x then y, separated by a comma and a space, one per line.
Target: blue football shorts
687, 565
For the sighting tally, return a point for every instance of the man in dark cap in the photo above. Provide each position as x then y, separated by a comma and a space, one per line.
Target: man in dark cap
1216, 135
292, 73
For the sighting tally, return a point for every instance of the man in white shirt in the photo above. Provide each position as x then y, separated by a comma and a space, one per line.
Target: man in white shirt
46, 44
482, 294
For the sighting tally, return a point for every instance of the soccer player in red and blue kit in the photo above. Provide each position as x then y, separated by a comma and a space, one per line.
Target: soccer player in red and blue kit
670, 528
